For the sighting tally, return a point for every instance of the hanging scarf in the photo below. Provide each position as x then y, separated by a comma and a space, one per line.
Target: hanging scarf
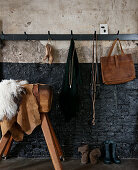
69, 97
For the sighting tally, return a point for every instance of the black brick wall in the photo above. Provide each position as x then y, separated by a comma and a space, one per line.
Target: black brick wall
116, 113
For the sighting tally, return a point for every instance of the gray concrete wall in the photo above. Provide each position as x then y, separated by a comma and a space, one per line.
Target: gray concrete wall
60, 16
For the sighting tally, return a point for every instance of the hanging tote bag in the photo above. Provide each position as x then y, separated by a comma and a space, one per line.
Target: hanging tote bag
117, 69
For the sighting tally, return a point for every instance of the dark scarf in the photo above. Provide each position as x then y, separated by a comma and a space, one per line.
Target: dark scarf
69, 97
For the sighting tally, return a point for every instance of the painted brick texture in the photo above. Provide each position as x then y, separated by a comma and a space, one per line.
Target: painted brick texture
116, 113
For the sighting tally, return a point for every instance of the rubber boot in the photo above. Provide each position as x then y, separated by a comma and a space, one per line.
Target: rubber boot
107, 158
114, 157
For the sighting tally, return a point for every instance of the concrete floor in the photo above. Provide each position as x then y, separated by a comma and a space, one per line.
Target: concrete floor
42, 164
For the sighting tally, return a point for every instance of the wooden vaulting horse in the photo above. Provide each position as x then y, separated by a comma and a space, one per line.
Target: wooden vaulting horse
43, 94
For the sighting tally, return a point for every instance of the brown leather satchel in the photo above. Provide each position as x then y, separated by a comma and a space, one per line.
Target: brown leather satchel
118, 68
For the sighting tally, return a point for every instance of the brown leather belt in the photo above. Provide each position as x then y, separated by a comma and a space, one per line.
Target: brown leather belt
95, 84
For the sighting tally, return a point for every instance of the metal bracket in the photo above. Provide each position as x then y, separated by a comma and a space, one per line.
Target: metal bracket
66, 37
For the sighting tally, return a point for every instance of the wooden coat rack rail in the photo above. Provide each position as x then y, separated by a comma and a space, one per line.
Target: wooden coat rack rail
65, 37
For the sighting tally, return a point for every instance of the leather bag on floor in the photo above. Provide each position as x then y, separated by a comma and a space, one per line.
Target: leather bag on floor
117, 69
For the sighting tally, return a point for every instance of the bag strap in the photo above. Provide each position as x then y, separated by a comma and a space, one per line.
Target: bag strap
111, 49
35, 91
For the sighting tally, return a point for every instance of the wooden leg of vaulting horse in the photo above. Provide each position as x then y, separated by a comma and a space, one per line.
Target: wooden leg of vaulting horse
50, 142
60, 152
3, 142
7, 149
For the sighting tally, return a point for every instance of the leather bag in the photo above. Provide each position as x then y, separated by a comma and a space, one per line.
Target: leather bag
117, 69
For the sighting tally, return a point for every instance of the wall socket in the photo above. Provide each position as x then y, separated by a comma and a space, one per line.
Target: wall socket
103, 29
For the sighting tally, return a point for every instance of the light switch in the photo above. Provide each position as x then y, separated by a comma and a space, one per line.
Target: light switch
103, 29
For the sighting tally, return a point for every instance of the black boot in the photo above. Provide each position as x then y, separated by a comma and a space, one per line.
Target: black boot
114, 157
107, 159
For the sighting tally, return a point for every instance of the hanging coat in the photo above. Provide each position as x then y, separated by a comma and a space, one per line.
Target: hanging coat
69, 97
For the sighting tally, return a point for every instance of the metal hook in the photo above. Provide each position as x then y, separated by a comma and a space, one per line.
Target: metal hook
26, 36
71, 34
2, 35
49, 35
118, 34
95, 35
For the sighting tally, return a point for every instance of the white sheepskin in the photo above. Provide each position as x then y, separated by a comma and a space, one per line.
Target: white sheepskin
8, 90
